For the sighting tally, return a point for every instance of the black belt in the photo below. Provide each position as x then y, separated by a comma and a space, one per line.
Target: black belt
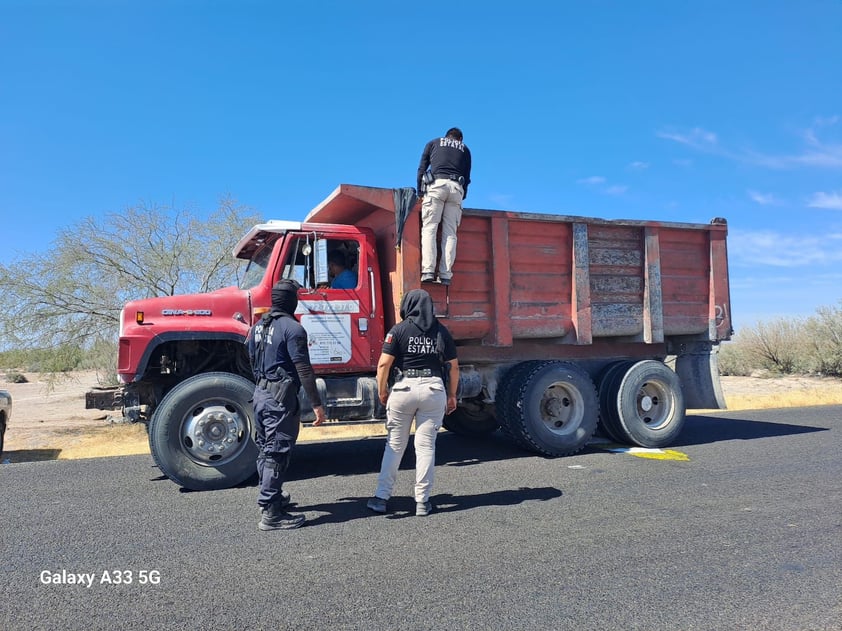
268, 384
412, 372
447, 176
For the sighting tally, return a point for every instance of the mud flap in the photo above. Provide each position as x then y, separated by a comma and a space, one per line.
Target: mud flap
699, 374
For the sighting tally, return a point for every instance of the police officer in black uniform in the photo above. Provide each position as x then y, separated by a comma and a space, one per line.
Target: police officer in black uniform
424, 353
446, 164
280, 359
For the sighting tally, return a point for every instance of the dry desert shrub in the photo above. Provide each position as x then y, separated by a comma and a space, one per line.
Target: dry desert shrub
787, 346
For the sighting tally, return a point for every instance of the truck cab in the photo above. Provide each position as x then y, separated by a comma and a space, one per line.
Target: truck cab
344, 326
185, 367
168, 339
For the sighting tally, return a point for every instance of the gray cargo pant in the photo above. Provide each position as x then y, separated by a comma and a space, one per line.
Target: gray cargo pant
425, 400
442, 205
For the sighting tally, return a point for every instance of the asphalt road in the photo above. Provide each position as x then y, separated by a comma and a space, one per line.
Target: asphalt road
745, 534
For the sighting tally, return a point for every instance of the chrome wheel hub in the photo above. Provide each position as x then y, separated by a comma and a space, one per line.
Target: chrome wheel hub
214, 433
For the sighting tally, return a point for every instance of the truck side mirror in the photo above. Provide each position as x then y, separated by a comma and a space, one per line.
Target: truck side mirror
320, 267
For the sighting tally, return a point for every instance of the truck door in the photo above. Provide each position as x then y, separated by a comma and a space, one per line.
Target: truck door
336, 306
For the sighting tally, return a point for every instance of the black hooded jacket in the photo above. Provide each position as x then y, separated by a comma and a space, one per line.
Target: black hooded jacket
420, 341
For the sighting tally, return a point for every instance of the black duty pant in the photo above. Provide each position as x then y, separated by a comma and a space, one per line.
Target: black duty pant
278, 421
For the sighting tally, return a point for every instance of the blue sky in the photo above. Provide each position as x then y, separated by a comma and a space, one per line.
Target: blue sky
642, 110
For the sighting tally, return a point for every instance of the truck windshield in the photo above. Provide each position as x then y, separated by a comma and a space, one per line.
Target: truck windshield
256, 267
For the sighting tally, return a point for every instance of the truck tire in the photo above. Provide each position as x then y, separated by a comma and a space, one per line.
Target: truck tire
470, 419
645, 404
555, 408
200, 435
608, 382
506, 401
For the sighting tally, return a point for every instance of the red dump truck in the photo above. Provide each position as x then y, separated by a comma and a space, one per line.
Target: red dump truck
562, 324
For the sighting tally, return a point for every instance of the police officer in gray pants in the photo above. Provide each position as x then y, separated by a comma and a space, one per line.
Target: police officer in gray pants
280, 359
447, 162
422, 349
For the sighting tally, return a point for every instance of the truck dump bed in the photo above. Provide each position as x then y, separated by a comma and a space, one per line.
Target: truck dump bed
523, 280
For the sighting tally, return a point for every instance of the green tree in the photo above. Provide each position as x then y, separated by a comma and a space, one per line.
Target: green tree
70, 295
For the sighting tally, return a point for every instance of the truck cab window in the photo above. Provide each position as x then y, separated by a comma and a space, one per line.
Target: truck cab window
343, 264
323, 263
256, 267
300, 261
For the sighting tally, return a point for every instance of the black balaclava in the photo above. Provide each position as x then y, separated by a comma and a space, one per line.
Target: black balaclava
417, 307
285, 296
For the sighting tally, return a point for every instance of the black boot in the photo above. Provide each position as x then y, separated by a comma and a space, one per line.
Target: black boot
274, 517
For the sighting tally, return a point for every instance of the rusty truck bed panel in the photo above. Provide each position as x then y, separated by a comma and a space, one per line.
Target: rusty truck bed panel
526, 277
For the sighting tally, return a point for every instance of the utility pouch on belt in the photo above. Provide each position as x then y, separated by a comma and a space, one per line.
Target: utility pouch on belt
426, 180
395, 375
277, 389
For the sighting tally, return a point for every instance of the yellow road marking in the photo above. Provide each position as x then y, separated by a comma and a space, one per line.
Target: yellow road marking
641, 452
659, 454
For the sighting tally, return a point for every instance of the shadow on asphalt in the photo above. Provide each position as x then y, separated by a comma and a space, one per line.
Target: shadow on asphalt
703, 430
30, 455
350, 508
447, 503
357, 456
360, 456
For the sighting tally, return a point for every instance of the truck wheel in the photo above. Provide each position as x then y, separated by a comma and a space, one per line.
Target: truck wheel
470, 419
646, 404
506, 401
201, 433
556, 408
608, 382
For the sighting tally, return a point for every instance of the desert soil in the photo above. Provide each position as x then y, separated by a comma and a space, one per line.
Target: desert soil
50, 421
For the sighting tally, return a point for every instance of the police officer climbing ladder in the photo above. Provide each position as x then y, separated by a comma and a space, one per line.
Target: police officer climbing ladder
446, 166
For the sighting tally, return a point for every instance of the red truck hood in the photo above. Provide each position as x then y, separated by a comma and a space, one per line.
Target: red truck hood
227, 309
